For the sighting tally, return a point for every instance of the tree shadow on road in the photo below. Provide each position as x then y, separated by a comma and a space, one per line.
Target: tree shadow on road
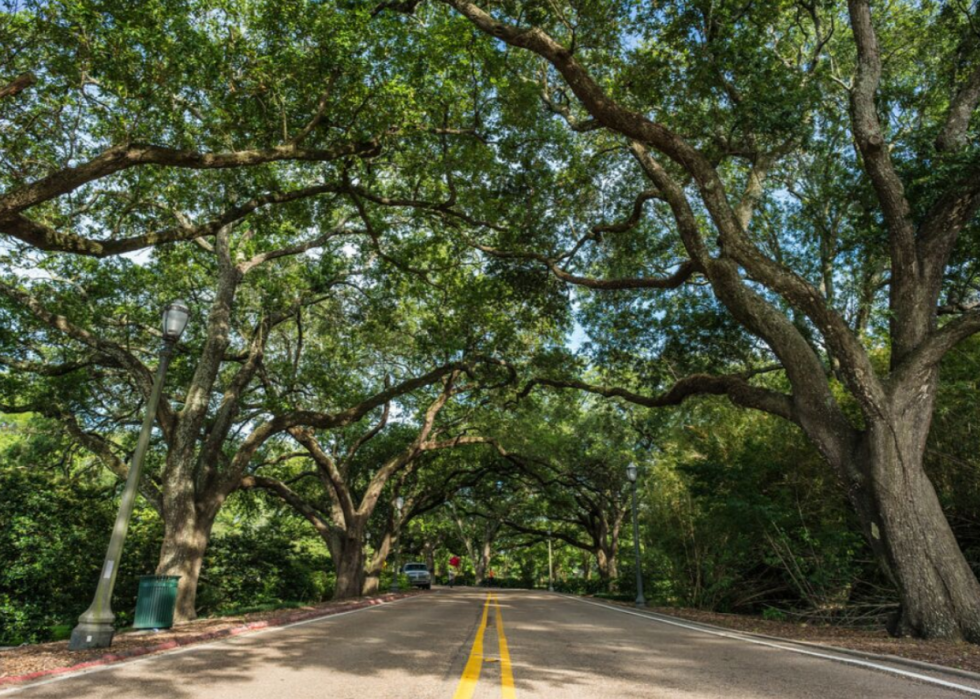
418, 648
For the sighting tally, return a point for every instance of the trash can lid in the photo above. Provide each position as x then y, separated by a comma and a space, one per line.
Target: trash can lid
161, 578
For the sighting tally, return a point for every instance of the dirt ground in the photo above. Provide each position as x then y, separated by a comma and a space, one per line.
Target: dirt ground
963, 656
27, 659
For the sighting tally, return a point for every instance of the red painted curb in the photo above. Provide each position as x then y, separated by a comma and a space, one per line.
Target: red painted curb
283, 620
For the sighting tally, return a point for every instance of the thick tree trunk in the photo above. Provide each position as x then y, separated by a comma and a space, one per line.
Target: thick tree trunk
429, 552
372, 576
482, 563
349, 565
185, 540
906, 527
608, 569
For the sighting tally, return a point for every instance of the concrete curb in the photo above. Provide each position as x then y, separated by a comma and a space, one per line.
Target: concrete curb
286, 618
864, 655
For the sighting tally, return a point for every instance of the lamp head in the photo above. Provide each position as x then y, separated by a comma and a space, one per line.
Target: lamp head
175, 318
631, 472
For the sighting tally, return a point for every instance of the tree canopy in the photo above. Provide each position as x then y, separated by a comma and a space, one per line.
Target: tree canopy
436, 247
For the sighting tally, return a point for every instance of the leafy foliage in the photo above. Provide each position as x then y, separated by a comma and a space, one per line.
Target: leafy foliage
54, 528
349, 196
265, 564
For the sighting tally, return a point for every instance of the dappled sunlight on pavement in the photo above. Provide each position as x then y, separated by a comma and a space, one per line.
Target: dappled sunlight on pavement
558, 647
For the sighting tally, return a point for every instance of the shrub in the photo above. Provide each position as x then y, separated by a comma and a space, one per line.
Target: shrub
261, 566
53, 536
580, 586
773, 614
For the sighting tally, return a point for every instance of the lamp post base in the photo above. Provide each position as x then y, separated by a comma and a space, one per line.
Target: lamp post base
641, 602
92, 634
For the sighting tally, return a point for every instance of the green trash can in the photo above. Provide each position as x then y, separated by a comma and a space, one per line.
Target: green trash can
156, 601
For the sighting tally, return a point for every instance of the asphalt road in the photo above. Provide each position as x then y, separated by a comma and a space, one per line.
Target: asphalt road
463, 643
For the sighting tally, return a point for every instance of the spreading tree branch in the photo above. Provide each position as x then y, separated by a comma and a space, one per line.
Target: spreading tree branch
17, 85
954, 132
735, 387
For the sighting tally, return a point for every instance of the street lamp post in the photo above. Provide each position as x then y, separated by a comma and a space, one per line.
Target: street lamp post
631, 473
399, 504
551, 570
95, 626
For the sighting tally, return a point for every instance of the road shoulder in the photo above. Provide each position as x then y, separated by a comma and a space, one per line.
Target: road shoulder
940, 675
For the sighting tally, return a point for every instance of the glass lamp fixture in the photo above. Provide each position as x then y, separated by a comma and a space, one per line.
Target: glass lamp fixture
175, 318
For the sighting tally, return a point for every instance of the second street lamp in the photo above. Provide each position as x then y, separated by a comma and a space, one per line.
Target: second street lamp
631, 473
95, 626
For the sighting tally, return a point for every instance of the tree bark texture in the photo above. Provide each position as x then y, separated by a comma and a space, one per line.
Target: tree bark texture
349, 564
903, 520
186, 533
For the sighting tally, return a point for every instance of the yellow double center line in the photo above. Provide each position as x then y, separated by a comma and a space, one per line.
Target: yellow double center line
471, 673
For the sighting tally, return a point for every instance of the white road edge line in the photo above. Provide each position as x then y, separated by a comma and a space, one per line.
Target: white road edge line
194, 647
759, 642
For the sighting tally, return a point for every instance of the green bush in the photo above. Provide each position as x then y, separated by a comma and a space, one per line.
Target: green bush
53, 536
773, 614
261, 566
54, 530
384, 582
580, 586
768, 521
60, 632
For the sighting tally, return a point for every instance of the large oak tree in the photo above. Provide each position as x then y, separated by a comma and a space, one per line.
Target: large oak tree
815, 166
